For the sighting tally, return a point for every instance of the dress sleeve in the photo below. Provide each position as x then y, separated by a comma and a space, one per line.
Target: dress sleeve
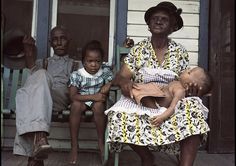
131, 59
183, 59
75, 80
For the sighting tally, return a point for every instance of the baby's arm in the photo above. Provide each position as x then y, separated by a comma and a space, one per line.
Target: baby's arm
178, 93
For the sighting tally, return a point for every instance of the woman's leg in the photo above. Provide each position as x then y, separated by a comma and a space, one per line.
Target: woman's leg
188, 150
74, 121
100, 121
144, 153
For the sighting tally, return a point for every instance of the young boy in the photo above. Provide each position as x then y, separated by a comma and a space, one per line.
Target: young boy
154, 96
88, 89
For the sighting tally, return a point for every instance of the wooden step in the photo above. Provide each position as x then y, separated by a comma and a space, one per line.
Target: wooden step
59, 135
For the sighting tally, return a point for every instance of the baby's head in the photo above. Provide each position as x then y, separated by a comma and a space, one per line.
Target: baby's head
92, 56
197, 75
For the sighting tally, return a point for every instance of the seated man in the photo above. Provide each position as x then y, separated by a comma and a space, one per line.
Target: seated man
44, 90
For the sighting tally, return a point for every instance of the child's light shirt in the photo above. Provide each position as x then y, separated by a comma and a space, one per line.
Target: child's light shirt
89, 84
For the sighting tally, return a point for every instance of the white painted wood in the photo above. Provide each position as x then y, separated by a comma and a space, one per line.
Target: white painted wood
112, 30
34, 19
193, 58
143, 5
137, 17
142, 30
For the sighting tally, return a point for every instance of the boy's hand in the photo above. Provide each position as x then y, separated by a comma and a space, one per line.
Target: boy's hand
157, 120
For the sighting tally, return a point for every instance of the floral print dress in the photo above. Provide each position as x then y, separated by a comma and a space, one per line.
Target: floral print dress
128, 123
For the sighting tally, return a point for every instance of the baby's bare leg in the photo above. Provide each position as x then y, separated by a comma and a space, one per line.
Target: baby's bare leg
100, 121
74, 121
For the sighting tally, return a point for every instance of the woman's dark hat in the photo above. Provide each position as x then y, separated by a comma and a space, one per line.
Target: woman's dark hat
13, 56
170, 8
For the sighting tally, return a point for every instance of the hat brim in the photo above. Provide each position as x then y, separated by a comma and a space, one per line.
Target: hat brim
15, 63
154, 9
13, 56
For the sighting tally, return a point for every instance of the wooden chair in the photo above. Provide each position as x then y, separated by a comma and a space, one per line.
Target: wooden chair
121, 52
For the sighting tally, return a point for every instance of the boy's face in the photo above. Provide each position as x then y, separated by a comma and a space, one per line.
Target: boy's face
92, 61
195, 75
59, 42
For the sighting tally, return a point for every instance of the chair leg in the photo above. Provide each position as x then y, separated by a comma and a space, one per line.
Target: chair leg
106, 147
116, 161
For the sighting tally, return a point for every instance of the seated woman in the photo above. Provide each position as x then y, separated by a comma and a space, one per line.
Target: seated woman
128, 123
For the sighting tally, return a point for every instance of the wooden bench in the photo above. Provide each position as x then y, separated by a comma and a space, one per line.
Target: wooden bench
59, 134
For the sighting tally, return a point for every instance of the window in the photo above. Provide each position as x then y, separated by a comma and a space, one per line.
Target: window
85, 21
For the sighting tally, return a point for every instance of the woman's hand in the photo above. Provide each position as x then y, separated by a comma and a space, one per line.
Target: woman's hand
126, 86
192, 89
123, 80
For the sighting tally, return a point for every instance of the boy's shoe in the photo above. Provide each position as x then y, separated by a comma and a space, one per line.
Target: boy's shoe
41, 147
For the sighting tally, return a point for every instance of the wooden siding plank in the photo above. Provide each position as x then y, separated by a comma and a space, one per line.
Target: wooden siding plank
143, 5
142, 30
137, 17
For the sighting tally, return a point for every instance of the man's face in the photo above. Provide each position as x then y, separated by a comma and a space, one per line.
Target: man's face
59, 42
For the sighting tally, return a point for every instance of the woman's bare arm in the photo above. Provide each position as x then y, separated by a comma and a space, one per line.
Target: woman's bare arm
123, 80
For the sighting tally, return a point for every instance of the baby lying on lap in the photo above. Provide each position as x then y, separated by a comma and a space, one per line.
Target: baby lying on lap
155, 96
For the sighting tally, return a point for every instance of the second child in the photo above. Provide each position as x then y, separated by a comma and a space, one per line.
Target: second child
88, 89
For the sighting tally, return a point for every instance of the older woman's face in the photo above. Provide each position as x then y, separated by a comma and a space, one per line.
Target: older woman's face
160, 24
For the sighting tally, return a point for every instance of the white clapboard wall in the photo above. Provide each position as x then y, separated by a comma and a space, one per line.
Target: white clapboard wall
188, 36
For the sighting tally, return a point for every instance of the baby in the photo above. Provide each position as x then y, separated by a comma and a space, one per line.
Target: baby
154, 96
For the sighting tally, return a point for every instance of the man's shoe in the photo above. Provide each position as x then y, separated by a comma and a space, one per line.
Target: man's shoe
41, 147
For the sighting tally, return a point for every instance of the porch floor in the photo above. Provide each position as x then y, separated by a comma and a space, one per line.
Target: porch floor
127, 158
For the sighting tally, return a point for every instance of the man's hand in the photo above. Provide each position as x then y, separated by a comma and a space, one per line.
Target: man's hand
29, 50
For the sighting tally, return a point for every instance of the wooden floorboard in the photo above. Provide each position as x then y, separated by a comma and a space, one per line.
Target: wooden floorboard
127, 158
